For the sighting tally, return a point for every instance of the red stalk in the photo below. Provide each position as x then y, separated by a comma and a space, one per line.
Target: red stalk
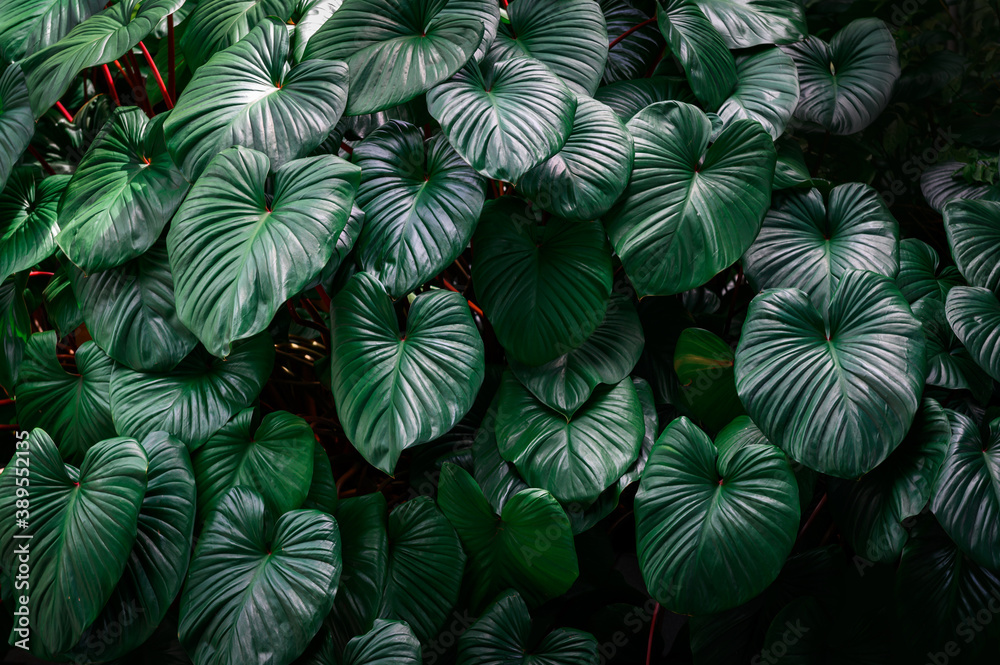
156, 73
39, 273
473, 306
652, 632
66, 114
111, 83
37, 155
630, 31
349, 149
325, 299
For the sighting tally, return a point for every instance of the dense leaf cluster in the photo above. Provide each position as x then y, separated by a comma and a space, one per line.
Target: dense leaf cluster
524, 331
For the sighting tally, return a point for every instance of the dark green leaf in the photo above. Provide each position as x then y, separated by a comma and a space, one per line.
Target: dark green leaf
704, 365
920, 273
61, 305
942, 183
634, 54
17, 124
29, 25
15, 329
215, 25
745, 23
973, 229
974, 314
626, 98
949, 364
699, 47
28, 219
767, 90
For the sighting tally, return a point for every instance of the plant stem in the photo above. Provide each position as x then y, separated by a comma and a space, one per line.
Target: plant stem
111, 83
8, 428
346, 148
171, 72
630, 31
156, 73
41, 160
325, 299
39, 273
473, 306
652, 632
812, 517
66, 114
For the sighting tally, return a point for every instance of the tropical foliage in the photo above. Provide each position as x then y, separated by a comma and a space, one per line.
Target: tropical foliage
554, 332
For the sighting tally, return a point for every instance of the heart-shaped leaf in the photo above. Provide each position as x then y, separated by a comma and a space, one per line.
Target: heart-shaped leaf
576, 457
414, 45
634, 43
712, 533
745, 23
949, 364
158, 563
700, 49
791, 169
921, 274
704, 365
194, 400
387, 643
421, 203
872, 509
626, 98
529, 547
28, 219
17, 123
943, 183
257, 592
966, 500
272, 456
75, 408
15, 328
505, 118
503, 634
122, 194
425, 569
545, 288
767, 90
690, 209
29, 25
130, 312
215, 25
245, 95
397, 389
973, 229
365, 548
584, 179
570, 37
240, 246
838, 390
102, 38
974, 314
847, 83
81, 526
608, 355
312, 14
807, 242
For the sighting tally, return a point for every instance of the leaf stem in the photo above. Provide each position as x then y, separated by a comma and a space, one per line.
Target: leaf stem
41, 160
652, 632
156, 73
66, 114
473, 306
630, 31
812, 517
346, 148
111, 83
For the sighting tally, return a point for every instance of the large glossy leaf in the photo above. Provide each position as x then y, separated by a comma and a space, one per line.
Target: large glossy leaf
323, 487
712, 533
272, 456
503, 634
194, 400
745, 23
387, 643
949, 364
807, 241
29, 25
704, 363
633, 55
626, 98
81, 525
257, 591
73, 408
938, 589
421, 203
505, 118
497, 477
690, 209
545, 288
966, 499
943, 182
122, 194
245, 95
215, 25
414, 45
395, 389
974, 314
312, 15
528, 547
838, 390
767, 90
608, 355
17, 124
584, 179
973, 229
576, 457
28, 219
425, 569
569, 37
847, 83
921, 273
102, 38
366, 565
700, 49
60, 303
130, 312
872, 509
248, 238
15, 328
158, 563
